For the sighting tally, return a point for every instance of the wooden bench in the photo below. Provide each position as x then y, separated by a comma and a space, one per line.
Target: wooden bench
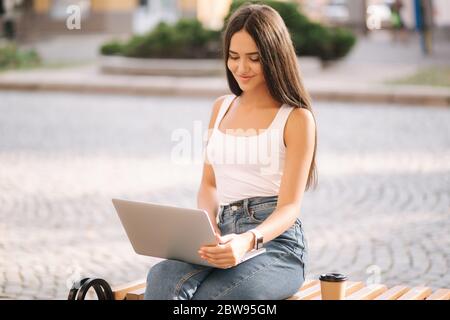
309, 291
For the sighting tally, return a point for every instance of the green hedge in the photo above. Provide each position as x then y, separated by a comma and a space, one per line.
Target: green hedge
187, 39
309, 38
13, 58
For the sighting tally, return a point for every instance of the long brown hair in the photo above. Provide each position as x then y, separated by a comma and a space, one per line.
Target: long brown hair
278, 58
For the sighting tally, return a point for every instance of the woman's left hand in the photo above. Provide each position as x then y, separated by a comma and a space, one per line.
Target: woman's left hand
230, 250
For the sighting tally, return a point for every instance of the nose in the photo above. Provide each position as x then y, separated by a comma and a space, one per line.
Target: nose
242, 66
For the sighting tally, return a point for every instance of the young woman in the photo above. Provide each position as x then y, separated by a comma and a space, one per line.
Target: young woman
260, 159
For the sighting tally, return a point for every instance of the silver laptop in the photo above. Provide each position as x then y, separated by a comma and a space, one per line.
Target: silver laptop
168, 232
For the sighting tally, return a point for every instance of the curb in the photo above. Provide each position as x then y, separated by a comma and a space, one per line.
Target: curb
399, 95
389, 95
161, 67
113, 89
180, 67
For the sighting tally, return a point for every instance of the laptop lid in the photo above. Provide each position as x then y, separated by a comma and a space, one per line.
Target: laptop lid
165, 231
168, 232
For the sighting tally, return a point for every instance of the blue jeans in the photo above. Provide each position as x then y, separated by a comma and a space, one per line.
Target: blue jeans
276, 274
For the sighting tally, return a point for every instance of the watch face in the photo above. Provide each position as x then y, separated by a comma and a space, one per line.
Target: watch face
259, 243
258, 239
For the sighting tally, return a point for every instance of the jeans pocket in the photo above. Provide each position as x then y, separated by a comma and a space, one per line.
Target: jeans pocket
302, 243
288, 239
260, 213
226, 222
220, 216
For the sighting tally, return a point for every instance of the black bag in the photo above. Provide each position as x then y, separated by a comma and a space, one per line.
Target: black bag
101, 287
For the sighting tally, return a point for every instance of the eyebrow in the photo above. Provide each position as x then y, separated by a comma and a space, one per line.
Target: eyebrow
248, 54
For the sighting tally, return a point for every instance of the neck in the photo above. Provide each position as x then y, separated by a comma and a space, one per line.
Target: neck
259, 97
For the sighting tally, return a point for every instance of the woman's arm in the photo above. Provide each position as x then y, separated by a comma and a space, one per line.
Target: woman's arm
299, 138
207, 193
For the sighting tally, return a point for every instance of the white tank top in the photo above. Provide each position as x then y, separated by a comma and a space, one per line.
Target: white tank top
251, 165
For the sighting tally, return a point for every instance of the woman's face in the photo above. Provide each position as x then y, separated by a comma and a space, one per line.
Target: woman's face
244, 61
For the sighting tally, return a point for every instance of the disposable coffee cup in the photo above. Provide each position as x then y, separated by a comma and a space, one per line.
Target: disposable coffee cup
332, 286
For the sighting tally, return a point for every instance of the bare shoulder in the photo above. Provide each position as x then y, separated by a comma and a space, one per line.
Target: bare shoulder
300, 123
218, 103
215, 109
300, 117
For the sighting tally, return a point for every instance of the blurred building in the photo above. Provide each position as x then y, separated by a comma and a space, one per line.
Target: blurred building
44, 18
349, 13
38, 18
376, 14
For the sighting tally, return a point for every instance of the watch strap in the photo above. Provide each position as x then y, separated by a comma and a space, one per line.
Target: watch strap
258, 239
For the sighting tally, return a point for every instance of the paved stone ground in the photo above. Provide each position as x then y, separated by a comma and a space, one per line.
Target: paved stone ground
380, 213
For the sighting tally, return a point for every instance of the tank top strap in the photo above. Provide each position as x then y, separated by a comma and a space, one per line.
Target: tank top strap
223, 109
282, 116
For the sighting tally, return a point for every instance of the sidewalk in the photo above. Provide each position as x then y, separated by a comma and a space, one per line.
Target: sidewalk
328, 85
361, 77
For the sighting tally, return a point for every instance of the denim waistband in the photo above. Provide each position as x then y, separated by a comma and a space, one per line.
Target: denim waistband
247, 202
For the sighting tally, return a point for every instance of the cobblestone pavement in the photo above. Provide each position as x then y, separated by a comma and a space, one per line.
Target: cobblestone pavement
380, 212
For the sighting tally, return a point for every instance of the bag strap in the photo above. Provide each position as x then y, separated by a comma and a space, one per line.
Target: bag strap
80, 288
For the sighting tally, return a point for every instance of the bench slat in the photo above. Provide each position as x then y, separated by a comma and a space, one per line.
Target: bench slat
393, 293
368, 293
307, 294
416, 293
137, 294
308, 284
121, 291
440, 294
350, 287
310, 290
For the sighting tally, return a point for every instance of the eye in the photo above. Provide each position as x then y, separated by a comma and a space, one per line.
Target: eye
233, 58
255, 59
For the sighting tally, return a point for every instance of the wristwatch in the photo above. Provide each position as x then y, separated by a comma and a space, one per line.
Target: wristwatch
258, 239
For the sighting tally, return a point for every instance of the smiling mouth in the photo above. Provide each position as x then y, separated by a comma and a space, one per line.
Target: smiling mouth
245, 78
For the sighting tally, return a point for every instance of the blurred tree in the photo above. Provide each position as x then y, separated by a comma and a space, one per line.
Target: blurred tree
309, 38
188, 39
